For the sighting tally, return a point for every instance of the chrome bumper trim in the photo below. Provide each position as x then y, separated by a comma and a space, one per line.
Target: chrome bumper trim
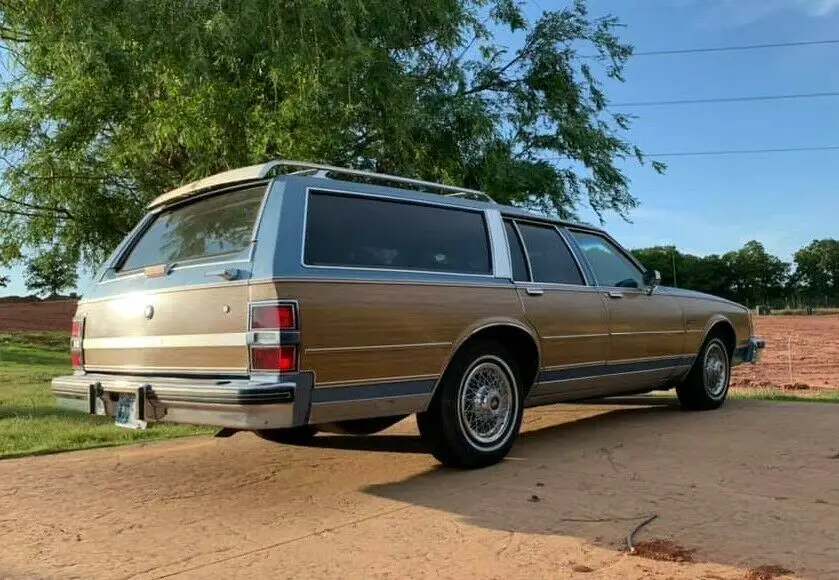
750, 352
240, 403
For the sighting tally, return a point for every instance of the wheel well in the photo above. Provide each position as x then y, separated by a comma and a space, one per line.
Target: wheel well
725, 332
520, 344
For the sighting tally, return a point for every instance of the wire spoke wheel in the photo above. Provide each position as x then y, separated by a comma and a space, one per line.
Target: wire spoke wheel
715, 370
487, 404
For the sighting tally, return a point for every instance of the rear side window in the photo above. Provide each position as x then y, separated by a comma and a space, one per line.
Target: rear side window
212, 226
516, 253
550, 258
361, 232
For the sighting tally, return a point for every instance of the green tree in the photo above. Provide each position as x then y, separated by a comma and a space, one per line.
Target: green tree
112, 102
817, 269
50, 273
757, 276
4, 281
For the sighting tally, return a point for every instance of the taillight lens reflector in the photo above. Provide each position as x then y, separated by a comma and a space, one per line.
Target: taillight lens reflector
76, 354
274, 358
273, 317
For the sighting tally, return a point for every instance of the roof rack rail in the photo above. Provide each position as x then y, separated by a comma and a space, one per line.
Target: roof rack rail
320, 170
262, 170
479, 194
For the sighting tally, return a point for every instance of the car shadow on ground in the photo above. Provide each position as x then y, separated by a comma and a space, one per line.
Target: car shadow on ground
597, 477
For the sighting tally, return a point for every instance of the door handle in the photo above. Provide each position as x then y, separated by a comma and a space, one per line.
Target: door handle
227, 273
615, 295
534, 291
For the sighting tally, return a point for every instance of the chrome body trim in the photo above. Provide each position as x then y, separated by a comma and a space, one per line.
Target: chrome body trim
376, 347
392, 198
576, 336
502, 266
240, 404
169, 341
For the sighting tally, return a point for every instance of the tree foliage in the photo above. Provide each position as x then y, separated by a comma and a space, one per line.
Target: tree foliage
753, 276
50, 273
112, 102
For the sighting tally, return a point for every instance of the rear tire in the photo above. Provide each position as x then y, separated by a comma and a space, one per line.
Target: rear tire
474, 418
706, 385
291, 436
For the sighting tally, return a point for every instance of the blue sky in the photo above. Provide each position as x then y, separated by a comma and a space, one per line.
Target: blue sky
713, 204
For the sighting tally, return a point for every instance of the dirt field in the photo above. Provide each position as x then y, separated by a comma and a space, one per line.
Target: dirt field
802, 353
752, 485
36, 316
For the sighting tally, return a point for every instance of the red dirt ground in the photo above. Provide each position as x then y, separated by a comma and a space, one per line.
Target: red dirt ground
801, 354
36, 315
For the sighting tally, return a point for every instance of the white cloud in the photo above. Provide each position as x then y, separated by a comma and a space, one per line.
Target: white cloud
744, 12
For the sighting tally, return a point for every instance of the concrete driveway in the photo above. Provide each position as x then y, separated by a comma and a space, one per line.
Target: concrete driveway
753, 484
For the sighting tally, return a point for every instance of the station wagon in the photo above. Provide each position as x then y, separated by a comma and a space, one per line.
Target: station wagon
289, 298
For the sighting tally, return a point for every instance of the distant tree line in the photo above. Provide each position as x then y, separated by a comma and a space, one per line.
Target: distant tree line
753, 276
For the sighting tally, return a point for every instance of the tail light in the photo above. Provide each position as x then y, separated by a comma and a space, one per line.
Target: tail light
273, 337
76, 336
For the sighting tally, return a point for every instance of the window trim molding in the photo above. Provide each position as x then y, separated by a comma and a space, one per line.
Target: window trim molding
549, 225
394, 199
244, 255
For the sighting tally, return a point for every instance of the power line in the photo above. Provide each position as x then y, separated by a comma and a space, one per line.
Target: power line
727, 152
737, 47
729, 99
744, 151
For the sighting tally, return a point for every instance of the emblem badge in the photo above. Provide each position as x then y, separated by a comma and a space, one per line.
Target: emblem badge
149, 312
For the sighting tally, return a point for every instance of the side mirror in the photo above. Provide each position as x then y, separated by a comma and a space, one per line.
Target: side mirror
652, 280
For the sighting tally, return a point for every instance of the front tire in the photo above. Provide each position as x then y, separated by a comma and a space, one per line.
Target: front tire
476, 414
706, 385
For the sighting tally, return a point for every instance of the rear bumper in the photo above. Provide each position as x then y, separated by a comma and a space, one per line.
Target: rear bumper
238, 404
750, 352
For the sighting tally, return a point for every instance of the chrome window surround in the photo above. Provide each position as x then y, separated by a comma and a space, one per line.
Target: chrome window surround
202, 262
548, 224
621, 250
391, 198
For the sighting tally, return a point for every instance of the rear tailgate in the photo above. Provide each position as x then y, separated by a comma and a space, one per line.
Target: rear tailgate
176, 302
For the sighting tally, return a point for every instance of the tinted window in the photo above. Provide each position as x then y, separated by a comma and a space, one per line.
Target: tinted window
610, 266
550, 258
362, 232
516, 253
211, 226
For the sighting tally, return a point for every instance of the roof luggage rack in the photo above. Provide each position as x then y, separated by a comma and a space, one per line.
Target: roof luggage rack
261, 171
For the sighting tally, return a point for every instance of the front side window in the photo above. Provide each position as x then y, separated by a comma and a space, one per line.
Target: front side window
611, 267
551, 260
207, 227
354, 231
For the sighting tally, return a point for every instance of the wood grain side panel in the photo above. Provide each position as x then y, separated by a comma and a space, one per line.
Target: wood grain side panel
190, 311
572, 326
336, 367
645, 326
182, 358
394, 330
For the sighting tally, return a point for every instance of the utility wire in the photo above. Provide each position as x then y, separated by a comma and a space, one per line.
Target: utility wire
737, 47
744, 151
729, 99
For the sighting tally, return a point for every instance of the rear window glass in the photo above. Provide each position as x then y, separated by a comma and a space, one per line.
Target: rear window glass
363, 232
213, 226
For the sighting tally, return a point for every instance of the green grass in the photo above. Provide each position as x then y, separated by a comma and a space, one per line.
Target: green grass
30, 421
779, 395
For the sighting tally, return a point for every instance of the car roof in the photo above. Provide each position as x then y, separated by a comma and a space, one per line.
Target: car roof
319, 176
